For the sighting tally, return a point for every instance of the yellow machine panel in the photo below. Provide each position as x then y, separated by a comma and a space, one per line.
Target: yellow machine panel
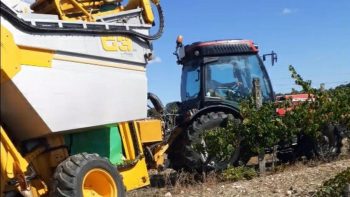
135, 175
13, 165
13, 56
150, 131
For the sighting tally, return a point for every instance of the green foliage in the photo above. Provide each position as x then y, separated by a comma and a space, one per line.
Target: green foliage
336, 185
263, 128
325, 107
221, 144
238, 173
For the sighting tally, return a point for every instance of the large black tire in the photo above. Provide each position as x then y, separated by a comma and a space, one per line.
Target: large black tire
183, 154
326, 147
82, 171
329, 145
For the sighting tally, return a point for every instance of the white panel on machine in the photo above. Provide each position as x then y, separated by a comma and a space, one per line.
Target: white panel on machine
72, 96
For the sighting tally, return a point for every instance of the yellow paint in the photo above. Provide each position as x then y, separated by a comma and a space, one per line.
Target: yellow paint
98, 182
117, 43
158, 156
128, 144
46, 162
66, 7
58, 155
13, 165
32, 155
71, 10
137, 176
150, 130
145, 5
35, 56
39, 188
138, 136
109, 13
13, 56
81, 8
2, 179
8, 150
98, 62
10, 63
147, 11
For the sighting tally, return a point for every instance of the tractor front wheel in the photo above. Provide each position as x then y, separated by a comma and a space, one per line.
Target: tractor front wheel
85, 175
200, 148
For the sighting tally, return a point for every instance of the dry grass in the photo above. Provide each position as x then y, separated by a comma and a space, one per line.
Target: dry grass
204, 185
272, 184
185, 182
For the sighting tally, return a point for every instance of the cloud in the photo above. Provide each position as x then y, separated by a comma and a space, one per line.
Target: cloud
156, 60
287, 11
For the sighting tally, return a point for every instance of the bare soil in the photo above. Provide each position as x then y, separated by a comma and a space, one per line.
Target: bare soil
301, 179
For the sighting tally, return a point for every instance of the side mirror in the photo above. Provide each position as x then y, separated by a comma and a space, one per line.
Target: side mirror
273, 57
179, 41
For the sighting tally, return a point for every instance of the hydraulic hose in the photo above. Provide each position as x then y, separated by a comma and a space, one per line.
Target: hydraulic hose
158, 105
23, 25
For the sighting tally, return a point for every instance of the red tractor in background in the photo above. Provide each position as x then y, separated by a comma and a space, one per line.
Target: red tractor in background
304, 145
296, 99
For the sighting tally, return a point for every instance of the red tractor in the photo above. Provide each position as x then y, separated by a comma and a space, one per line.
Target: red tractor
295, 99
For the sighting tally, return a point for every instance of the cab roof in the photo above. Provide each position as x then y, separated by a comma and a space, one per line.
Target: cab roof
220, 48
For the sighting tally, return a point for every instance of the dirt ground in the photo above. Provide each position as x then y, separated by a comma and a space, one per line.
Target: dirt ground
295, 180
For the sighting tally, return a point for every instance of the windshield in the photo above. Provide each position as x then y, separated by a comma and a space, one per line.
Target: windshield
231, 77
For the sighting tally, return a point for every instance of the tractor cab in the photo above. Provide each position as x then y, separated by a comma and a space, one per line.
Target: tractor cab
220, 73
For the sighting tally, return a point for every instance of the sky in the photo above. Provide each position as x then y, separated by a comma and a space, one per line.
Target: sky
313, 36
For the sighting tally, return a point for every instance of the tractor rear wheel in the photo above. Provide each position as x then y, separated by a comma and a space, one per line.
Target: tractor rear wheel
85, 175
191, 150
329, 144
325, 147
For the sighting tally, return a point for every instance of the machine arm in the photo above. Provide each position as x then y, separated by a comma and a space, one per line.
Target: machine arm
24, 25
